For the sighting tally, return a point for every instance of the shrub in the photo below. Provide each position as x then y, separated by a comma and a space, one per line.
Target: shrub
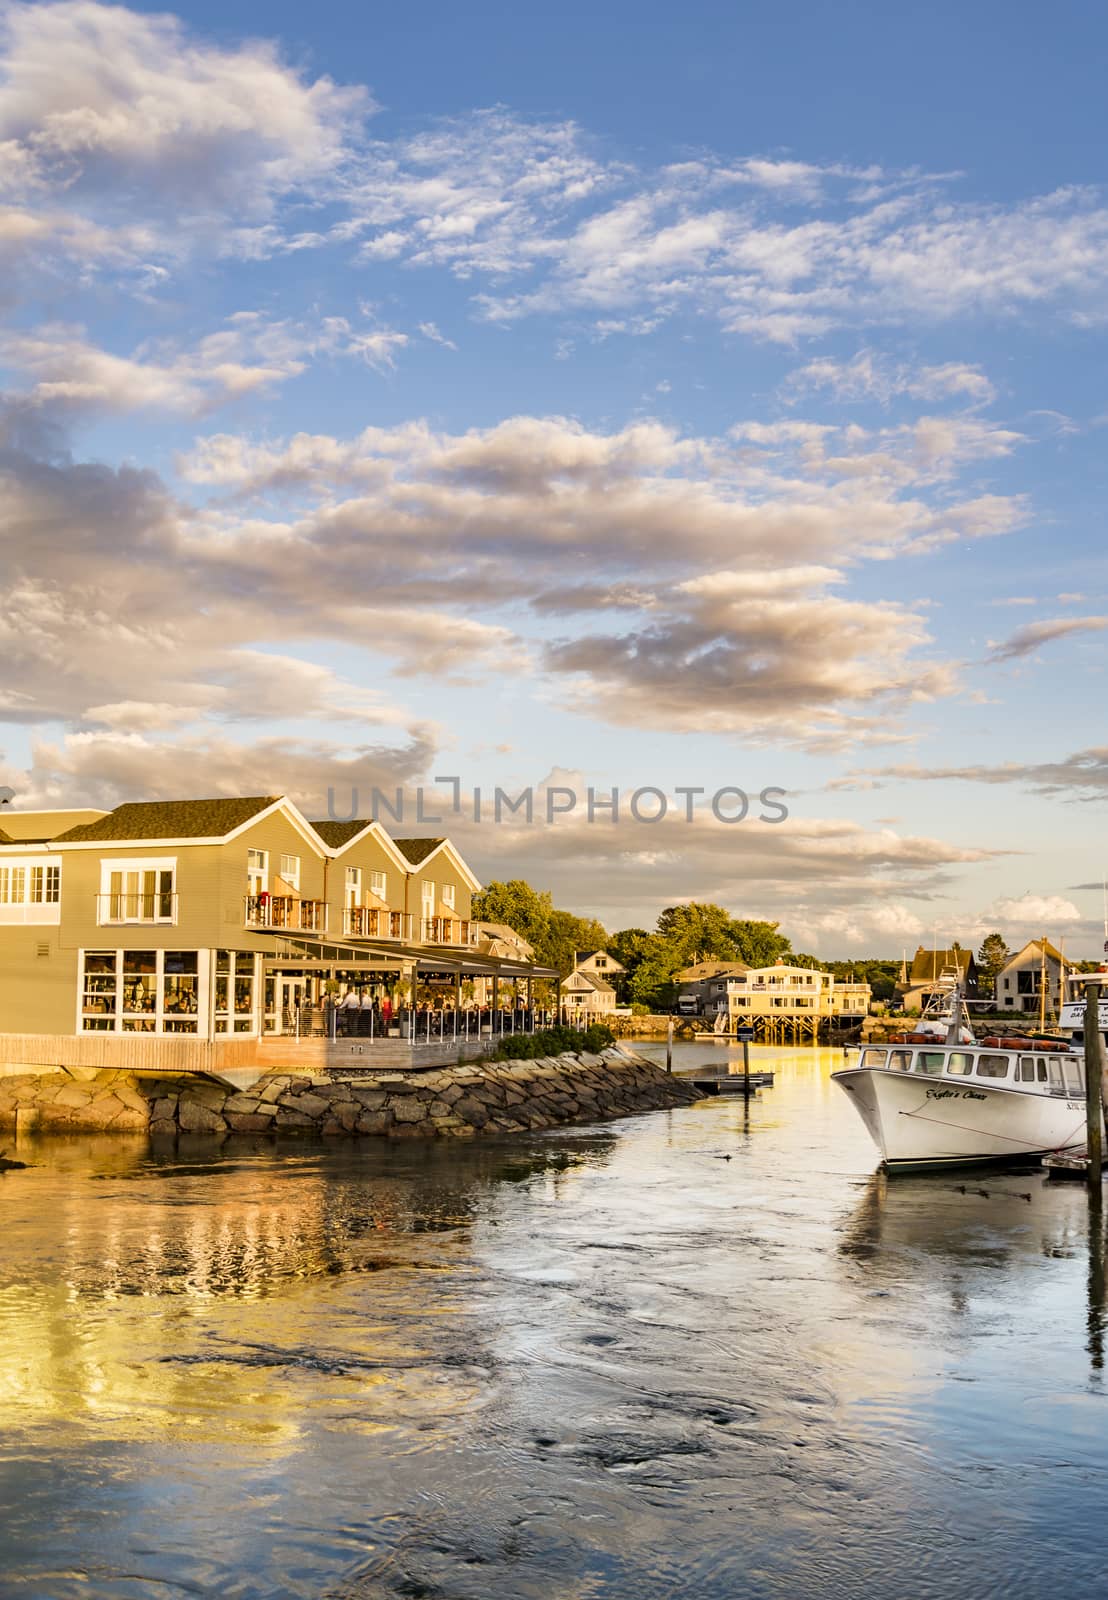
554, 1042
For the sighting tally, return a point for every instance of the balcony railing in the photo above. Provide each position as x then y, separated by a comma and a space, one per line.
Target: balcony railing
285, 911
448, 930
371, 922
135, 907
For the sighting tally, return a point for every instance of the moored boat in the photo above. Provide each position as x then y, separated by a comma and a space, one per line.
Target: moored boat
932, 1104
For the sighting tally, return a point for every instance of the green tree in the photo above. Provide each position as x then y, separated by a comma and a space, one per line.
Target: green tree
760, 944
518, 906
565, 935
991, 959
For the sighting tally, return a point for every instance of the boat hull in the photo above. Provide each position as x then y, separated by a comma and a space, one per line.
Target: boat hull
919, 1122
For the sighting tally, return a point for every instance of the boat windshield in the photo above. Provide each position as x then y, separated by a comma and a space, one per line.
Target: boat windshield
900, 1060
931, 1061
959, 1061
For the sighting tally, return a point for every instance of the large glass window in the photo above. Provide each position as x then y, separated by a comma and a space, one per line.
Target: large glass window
448, 893
290, 871
959, 1063
900, 1060
180, 991
379, 884
99, 1000
992, 1066
873, 1058
140, 990
931, 1062
234, 992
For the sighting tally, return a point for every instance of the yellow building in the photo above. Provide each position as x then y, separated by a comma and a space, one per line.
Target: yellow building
784, 1001
221, 918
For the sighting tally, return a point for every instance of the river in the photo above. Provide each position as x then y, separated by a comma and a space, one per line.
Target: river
702, 1353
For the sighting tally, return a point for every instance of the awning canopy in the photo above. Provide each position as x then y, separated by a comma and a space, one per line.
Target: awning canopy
463, 960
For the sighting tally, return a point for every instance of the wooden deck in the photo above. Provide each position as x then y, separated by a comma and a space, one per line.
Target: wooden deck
233, 1059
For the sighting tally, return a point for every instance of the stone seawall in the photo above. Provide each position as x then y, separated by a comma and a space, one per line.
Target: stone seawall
452, 1102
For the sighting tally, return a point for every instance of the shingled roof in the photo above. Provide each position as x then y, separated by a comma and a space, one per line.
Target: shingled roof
928, 965
417, 850
170, 819
336, 834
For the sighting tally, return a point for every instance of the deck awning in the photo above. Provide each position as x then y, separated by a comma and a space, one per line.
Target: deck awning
321, 951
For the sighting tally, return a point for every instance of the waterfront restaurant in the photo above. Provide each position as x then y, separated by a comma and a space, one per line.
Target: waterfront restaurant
195, 934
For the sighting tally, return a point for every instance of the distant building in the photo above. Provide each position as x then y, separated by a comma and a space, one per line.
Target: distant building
702, 988
934, 973
784, 1000
589, 991
1021, 981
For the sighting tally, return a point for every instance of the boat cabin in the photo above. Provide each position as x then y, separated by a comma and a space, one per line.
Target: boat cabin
1036, 1071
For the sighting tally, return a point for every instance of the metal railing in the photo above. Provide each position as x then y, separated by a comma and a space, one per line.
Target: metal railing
285, 911
371, 922
135, 906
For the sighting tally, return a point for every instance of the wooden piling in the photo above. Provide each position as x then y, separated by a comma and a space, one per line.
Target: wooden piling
1094, 1079
669, 1045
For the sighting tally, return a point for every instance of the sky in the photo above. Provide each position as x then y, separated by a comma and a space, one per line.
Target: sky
606, 397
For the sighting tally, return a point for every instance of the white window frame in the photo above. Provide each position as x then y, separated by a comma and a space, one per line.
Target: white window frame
204, 959
124, 865
290, 872
17, 875
379, 885
257, 871
449, 895
427, 897
352, 887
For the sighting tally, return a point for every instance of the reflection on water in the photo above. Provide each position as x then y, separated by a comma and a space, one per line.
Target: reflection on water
707, 1352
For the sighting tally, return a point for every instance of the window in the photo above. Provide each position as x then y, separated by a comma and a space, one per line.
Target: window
428, 899
257, 871
140, 990
353, 887
290, 871
46, 885
931, 1062
1027, 1069
900, 1060
100, 992
140, 896
448, 900
234, 992
13, 886
379, 885
873, 1058
992, 1066
180, 991
959, 1063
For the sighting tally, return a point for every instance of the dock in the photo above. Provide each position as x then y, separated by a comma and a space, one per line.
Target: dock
1071, 1164
717, 1080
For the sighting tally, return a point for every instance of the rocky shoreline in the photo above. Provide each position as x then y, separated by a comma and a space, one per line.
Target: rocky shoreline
460, 1101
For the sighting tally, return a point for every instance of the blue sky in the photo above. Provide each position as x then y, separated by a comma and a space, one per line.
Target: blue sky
618, 396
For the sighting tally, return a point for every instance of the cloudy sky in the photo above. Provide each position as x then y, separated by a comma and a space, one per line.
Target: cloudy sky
618, 396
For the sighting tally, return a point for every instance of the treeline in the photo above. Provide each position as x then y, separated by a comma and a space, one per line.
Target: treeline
682, 936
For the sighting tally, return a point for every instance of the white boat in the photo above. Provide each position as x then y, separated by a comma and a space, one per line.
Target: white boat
930, 1104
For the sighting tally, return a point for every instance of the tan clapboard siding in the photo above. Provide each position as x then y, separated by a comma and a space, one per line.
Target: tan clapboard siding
371, 856
279, 836
38, 994
439, 871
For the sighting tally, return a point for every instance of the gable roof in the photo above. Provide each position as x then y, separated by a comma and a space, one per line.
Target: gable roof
417, 850
927, 965
1038, 946
38, 827
711, 969
336, 834
581, 956
593, 980
170, 819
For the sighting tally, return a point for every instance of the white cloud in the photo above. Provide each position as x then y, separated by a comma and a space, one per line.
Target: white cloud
1026, 640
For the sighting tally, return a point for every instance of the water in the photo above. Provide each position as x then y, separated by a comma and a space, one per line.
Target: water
600, 1362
